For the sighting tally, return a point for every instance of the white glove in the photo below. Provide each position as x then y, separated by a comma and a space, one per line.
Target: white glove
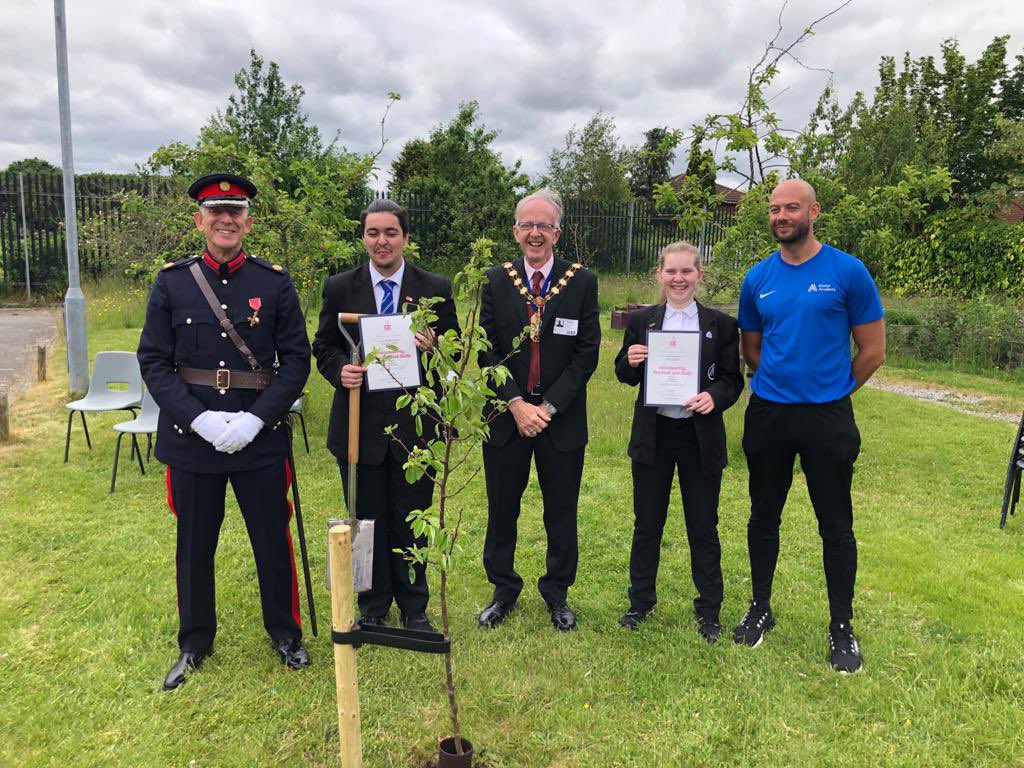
209, 425
239, 433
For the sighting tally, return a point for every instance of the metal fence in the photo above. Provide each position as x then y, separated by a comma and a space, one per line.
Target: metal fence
627, 237
32, 246
611, 237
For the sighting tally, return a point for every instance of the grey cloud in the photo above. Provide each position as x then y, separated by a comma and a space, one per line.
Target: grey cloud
149, 73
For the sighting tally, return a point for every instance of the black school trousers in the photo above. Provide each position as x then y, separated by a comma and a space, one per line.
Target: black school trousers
825, 437
676, 452
384, 496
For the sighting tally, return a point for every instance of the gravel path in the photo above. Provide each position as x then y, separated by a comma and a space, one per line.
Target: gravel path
21, 331
958, 401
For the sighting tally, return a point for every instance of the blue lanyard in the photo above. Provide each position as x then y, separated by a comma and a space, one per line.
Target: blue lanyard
544, 286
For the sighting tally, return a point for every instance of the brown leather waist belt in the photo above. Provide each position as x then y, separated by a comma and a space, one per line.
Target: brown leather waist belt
224, 378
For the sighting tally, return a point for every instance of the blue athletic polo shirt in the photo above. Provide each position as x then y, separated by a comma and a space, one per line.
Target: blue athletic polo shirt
805, 313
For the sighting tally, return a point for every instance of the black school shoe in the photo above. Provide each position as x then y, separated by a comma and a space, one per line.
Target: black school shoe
709, 629
844, 652
752, 627
632, 619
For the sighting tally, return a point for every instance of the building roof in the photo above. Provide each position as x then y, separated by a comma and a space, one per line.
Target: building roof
730, 195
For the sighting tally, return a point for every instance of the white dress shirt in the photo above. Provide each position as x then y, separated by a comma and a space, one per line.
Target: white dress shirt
378, 289
684, 319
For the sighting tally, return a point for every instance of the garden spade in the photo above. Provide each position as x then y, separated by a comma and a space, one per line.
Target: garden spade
361, 530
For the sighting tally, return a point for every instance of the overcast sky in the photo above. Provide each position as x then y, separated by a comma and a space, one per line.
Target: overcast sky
145, 73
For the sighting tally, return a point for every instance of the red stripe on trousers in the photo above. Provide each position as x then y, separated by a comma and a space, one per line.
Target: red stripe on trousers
170, 496
291, 549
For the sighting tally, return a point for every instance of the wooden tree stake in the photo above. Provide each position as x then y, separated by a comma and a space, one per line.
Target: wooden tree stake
342, 619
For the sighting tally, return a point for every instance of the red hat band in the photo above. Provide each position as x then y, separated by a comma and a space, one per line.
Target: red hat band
222, 193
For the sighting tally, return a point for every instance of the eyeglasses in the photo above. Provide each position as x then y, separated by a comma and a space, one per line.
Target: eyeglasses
526, 226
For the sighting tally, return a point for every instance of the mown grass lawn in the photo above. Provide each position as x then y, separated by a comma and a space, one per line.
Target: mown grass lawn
88, 621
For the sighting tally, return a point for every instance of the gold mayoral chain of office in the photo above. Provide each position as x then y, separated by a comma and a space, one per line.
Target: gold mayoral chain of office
539, 301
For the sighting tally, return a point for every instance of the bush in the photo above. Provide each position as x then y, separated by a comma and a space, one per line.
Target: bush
981, 333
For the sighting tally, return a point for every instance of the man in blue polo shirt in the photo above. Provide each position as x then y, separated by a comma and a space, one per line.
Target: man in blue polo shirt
797, 311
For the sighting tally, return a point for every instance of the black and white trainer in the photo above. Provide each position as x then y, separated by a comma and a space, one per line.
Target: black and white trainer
844, 652
755, 622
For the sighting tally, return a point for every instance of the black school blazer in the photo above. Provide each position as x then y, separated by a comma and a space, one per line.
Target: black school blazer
719, 376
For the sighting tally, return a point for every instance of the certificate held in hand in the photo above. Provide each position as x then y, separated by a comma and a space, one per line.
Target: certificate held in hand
671, 375
392, 337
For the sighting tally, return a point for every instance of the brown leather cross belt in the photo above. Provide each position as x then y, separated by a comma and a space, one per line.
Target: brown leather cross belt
224, 378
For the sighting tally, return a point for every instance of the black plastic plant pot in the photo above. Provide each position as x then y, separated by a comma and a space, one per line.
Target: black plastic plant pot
448, 758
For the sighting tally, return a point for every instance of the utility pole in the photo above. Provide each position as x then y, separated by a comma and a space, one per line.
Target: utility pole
74, 299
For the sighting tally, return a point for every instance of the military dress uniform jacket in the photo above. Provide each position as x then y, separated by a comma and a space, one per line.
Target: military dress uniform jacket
568, 352
352, 291
181, 330
719, 376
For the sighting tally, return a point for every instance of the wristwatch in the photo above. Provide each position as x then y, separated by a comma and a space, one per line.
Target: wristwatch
551, 409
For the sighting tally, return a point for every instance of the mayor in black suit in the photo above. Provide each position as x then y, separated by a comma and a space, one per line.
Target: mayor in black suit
546, 420
387, 283
688, 439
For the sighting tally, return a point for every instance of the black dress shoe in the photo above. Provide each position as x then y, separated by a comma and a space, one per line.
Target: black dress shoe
495, 613
185, 664
371, 621
562, 617
292, 652
709, 629
419, 622
632, 619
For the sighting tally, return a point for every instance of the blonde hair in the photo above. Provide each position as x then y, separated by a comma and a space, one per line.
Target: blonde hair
679, 246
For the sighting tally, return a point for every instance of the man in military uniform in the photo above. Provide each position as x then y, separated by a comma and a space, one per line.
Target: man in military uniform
224, 353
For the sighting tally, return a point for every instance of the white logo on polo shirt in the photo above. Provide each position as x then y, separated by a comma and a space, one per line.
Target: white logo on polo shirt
765, 295
820, 287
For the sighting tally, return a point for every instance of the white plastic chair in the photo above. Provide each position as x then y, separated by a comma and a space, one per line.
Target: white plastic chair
108, 368
296, 409
143, 424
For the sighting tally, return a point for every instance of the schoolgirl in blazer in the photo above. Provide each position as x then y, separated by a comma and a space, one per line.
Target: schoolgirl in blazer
688, 440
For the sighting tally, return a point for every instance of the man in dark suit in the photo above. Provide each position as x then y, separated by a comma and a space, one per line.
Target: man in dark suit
546, 419
386, 284
224, 353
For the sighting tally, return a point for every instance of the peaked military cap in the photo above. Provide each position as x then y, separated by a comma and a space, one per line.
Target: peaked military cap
222, 189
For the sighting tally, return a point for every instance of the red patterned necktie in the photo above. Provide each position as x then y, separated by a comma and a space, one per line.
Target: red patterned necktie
533, 378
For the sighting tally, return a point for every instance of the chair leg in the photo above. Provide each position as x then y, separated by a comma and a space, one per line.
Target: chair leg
117, 455
138, 452
85, 427
149, 445
67, 440
302, 421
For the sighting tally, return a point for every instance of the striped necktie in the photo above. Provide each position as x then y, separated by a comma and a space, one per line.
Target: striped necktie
387, 304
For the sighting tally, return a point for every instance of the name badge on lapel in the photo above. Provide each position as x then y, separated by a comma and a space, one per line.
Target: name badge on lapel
565, 326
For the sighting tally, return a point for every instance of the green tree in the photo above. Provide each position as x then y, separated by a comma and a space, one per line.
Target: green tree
471, 192
265, 117
307, 192
592, 165
926, 114
651, 162
32, 165
448, 411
